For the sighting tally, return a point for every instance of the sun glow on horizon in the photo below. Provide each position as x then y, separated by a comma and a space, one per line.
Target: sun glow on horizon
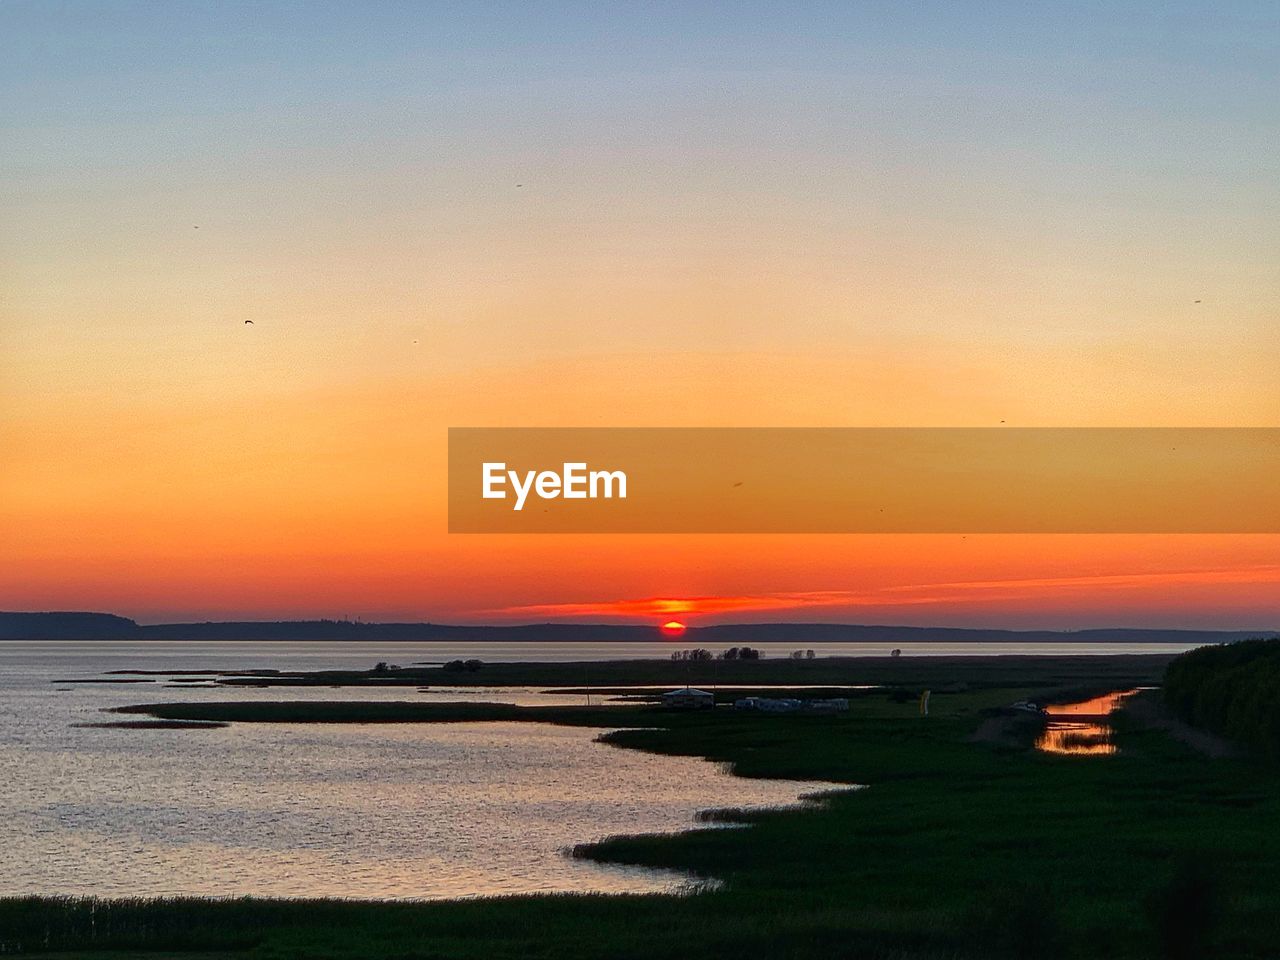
1252, 583
519, 247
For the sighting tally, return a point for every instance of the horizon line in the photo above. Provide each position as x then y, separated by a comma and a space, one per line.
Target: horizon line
690, 627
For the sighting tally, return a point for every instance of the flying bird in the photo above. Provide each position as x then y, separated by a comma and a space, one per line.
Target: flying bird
250, 322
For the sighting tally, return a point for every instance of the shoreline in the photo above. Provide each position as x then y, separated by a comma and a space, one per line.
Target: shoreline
848, 673
928, 862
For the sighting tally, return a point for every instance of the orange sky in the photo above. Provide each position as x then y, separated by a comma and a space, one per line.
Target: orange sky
657, 222
307, 502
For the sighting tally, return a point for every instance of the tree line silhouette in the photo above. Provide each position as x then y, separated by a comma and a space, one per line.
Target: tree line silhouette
1232, 689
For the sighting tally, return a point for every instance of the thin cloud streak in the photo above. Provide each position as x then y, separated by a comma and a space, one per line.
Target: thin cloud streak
964, 591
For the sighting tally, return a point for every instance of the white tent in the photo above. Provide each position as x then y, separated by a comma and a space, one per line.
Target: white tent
688, 698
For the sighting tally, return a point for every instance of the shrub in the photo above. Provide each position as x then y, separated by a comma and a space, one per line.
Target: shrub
1232, 689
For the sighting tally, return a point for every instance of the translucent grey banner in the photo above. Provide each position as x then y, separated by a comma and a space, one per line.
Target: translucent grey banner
864, 480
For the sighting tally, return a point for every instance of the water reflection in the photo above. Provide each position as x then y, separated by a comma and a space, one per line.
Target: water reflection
1080, 728
408, 811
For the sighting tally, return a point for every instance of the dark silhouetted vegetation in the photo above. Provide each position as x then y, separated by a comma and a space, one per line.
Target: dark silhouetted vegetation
697, 655
1232, 690
914, 673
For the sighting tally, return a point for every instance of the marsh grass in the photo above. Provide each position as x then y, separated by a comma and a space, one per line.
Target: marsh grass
155, 725
615, 677
955, 850
1072, 738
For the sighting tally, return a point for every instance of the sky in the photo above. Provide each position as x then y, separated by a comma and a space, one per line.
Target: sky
624, 214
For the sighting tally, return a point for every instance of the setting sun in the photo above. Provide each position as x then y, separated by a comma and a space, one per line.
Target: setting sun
376, 382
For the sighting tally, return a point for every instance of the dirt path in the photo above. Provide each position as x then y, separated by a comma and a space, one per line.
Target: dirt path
1149, 712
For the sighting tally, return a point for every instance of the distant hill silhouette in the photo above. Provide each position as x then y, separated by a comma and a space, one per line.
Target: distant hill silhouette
349, 630
66, 626
105, 626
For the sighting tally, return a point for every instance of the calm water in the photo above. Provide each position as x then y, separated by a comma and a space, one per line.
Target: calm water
1080, 728
406, 811
326, 655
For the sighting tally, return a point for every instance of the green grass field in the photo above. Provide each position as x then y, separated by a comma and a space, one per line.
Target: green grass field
956, 849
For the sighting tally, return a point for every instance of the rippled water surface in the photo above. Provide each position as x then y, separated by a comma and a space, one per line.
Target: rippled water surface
366, 811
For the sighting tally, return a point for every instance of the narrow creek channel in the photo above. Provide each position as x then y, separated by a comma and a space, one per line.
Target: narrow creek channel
1082, 728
